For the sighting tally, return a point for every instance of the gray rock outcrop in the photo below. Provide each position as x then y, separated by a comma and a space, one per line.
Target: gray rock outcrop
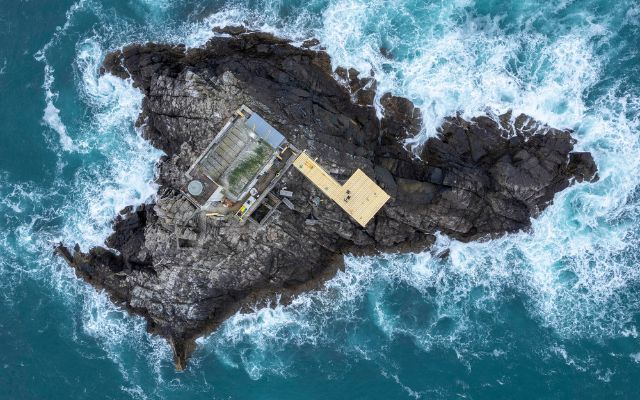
186, 273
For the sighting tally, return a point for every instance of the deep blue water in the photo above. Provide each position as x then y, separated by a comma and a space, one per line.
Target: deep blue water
552, 314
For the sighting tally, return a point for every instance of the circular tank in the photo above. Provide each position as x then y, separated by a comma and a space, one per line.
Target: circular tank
195, 187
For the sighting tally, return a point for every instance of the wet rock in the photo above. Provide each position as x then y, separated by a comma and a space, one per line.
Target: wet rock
310, 43
231, 30
386, 53
363, 90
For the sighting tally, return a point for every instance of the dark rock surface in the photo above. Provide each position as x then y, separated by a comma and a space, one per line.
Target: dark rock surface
185, 273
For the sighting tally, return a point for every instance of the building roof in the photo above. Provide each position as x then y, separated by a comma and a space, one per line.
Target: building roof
235, 157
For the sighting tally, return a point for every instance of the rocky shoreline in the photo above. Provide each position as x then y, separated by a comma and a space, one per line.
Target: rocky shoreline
186, 273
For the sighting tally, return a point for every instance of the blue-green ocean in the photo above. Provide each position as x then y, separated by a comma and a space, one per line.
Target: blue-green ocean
549, 314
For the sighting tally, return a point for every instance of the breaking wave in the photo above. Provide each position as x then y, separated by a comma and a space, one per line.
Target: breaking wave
115, 168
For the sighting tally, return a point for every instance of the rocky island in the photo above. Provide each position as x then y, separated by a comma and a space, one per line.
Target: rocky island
185, 267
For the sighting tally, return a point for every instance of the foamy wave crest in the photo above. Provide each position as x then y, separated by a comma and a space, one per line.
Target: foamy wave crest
289, 21
257, 341
365, 297
121, 335
51, 115
161, 5
129, 174
20, 221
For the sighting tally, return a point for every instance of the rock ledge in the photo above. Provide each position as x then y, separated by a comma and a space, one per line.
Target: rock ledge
477, 179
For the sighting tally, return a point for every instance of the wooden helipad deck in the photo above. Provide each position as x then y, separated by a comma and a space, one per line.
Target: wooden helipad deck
360, 196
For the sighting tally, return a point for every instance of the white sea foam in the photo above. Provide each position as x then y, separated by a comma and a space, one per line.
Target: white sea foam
61, 30
136, 392
51, 115
632, 16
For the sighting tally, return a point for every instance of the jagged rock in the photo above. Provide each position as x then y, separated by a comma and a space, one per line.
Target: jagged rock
310, 43
386, 53
231, 30
478, 178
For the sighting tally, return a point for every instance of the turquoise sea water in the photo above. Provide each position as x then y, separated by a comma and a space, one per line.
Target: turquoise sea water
553, 313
